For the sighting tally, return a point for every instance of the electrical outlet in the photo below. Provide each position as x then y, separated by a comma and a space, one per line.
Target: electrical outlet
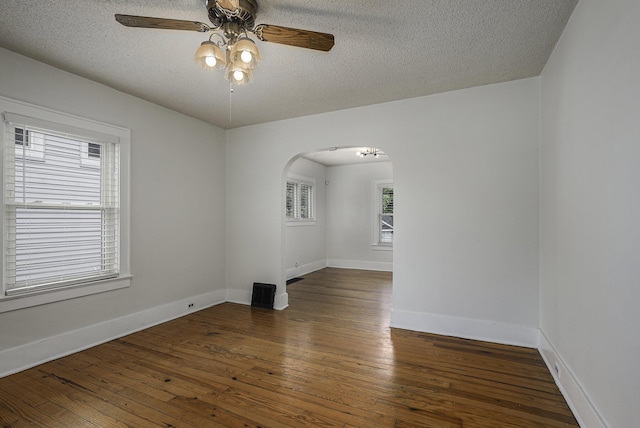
296, 264
556, 367
190, 306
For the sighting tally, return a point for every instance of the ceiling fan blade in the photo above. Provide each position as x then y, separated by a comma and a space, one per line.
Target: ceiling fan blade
161, 23
294, 37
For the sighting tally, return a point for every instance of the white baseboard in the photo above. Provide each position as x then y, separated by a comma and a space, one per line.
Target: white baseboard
577, 399
240, 296
305, 269
32, 354
243, 297
281, 302
489, 331
360, 264
338, 263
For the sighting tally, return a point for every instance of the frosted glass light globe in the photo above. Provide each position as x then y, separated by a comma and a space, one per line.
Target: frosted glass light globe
210, 57
245, 52
246, 56
210, 61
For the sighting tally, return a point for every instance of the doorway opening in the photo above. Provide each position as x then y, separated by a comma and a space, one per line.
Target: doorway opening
338, 211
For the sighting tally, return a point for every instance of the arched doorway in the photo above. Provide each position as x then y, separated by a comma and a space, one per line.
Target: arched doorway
338, 211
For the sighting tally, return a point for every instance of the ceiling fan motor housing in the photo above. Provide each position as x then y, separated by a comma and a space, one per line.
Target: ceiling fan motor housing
244, 18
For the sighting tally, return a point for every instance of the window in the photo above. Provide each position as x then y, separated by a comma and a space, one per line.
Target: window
29, 143
93, 150
22, 137
300, 199
63, 217
90, 154
383, 221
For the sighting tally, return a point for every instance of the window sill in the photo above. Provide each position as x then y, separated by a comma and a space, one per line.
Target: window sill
12, 303
382, 247
301, 223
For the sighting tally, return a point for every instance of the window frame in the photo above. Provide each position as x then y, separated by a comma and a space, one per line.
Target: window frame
378, 186
88, 127
299, 181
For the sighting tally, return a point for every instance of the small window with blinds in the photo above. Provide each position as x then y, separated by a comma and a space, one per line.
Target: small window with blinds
61, 205
300, 199
386, 215
383, 214
292, 206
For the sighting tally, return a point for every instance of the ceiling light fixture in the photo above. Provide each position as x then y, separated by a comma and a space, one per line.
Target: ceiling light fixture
246, 53
233, 51
238, 74
239, 55
209, 56
368, 151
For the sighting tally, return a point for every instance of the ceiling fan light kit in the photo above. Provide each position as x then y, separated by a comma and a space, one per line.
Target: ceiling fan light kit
238, 75
246, 53
368, 151
234, 52
209, 56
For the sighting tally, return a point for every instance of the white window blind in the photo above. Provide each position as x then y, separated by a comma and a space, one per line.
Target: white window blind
306, 201
61, 205
300, 199
384, 214
293, 193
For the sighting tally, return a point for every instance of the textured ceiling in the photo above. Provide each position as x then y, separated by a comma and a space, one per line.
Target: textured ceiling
384, 51
345, 156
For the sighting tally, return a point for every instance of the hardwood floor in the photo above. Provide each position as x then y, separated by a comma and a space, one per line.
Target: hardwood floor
330, 360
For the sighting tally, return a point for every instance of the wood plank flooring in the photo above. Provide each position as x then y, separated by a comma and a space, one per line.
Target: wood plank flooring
329, 360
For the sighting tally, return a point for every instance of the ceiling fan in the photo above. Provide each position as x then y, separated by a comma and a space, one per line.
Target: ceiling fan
231, 21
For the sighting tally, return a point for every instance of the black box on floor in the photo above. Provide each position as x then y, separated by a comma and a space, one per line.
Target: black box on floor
263, 295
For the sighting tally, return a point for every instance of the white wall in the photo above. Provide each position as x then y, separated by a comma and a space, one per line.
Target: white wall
305, 242
465, 173
342, 233
177, 221
350, 202
590, 210
466, 187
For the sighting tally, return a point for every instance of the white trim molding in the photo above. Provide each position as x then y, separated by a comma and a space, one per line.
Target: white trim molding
240, 296
305, 269
67, 123
576, 397
360, 264
489, 331
243, 297
281, 301
8, 304
29, 355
